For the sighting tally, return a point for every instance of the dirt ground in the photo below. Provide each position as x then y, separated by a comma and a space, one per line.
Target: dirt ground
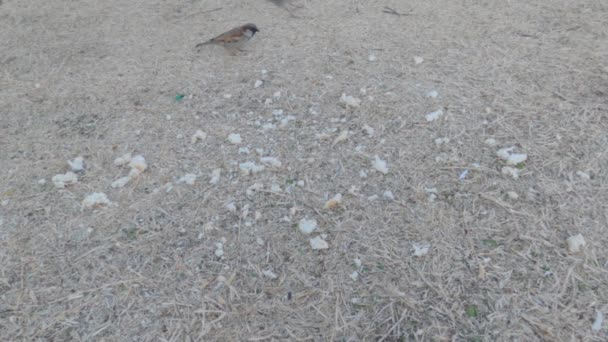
224, 259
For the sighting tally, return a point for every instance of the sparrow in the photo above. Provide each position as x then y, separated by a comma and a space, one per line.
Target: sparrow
233, 39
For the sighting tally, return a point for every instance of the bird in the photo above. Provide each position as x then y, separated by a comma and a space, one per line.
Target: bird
234, 39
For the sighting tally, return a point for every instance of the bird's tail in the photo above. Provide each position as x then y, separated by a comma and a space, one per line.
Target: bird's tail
204, 43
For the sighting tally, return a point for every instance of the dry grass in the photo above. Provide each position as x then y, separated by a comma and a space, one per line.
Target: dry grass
533, 75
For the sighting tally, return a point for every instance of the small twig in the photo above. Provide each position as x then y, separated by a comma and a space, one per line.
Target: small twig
81, 293
526, 35
392, 11
559, 96
202, 12
554, 93
262, 338
393, 327
504, 205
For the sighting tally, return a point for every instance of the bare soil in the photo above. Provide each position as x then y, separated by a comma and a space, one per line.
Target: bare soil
99, 79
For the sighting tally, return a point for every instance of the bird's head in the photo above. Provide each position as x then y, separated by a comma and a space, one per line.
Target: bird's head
251, 28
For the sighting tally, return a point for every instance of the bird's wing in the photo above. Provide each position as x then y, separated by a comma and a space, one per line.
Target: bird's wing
232, 36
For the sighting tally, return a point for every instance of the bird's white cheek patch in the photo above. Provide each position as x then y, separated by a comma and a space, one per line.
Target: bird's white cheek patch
249, 33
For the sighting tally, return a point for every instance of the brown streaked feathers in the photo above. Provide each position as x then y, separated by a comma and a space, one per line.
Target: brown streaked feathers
233, 38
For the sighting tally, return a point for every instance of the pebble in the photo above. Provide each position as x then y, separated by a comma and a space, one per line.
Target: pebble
441, 141
307, 226
318, 243
231, 207
510, 157
120, 182
77, 164
434, 115
138, 163
198, 135
380, 165
235, 138
219, 250
269, 274
512, 195
348, 101
388, 195
421, 249
583, 175
598, 323
95, 199
61, 181
432, 94
188, 178
248, 168
490, 142
215, 176
576, 243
